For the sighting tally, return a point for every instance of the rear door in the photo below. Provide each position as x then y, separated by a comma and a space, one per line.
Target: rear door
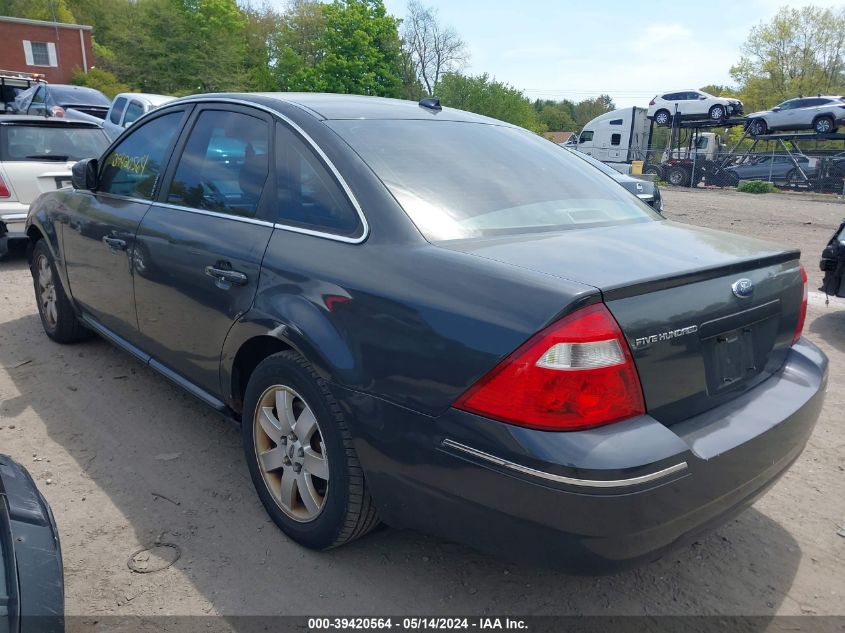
199, 248
99, 237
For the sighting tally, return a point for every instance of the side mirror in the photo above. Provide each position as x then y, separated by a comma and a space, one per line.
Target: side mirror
84, 174
776, 109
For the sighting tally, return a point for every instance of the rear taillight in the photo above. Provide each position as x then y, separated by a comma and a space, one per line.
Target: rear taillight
802, 314
4, 190
575, 374
652, 102
57, 111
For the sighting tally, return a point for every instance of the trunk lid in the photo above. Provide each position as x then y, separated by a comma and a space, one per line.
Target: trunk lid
696, 342
29, 179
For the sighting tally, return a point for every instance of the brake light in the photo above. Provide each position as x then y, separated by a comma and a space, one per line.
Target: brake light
575, 374
57, 111
802, 313
4, 190
653, 101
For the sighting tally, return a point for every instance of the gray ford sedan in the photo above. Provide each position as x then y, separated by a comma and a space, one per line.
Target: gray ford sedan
436, 320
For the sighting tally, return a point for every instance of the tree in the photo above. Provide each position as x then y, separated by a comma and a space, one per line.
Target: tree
484, 95
801, 51
430, 48
50, 10
556, 116
589, 109
99, 79
349, 46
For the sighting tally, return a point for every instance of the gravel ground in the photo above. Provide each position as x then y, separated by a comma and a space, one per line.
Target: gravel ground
126, 460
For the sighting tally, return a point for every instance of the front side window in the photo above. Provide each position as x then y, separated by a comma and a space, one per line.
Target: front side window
133, 167
117, 110
585, 136
224, 164
471, 180
308, 195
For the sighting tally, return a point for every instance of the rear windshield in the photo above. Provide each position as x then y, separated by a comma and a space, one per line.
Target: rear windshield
75, 95
460, 180
50, 142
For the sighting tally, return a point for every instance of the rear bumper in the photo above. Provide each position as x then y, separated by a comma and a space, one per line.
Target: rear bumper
593, 500
13, 215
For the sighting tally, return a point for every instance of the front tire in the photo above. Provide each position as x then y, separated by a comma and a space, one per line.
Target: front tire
823, 125
55, 309
300, 455
717, 113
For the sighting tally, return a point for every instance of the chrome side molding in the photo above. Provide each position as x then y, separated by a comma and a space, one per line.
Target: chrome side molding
571, 481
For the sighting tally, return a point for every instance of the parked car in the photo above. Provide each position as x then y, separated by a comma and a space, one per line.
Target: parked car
54, 99
823, 114
832, 264
127, 108
36, 155
437, 320
776, 168
645, 190
692, 104
32, 581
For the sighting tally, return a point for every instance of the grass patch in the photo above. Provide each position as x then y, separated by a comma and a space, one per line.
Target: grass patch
756, 186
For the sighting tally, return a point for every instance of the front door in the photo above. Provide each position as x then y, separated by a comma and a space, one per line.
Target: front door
99, 236
199, 248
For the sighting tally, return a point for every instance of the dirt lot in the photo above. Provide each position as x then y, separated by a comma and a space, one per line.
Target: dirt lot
126, 459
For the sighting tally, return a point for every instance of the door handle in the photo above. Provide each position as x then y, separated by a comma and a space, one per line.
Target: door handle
224, 276
114, 243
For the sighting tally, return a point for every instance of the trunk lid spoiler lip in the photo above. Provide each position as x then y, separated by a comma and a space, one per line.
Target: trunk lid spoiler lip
623, 291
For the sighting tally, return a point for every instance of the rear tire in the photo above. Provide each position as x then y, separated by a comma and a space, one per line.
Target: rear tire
55, 309
679, 177
662, 118
300, 455
824, 125
757, 127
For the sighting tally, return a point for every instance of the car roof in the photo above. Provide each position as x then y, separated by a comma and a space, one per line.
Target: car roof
154, 99
342, 106
22, 119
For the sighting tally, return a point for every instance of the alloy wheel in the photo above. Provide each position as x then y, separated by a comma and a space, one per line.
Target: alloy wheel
823, 126
47, 291
717, 113
291, 453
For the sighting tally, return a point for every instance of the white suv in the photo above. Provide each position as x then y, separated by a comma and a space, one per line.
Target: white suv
692, 104
823, 114
36, 154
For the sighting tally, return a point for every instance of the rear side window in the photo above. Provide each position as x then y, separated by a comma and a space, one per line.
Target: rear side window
133, 112
224, 165
133, 167
307, 194
117, 110
616, 122
615, 139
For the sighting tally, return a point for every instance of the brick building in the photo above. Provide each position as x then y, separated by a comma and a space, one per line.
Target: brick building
51, 48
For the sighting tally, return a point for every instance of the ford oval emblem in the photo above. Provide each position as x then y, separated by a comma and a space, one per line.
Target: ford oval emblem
743, 288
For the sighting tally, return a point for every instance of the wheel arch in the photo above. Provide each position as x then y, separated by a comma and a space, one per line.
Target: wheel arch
256, 336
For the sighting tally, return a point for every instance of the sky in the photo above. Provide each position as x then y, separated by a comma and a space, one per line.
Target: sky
631, 50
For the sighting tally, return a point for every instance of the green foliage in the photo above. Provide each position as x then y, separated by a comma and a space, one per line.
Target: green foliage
349, 46
99, 79
801, 51
484, 95
50, 10
756, 186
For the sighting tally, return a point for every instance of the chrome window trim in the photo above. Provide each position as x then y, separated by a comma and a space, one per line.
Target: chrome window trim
214, 214
310, 141
589, 483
